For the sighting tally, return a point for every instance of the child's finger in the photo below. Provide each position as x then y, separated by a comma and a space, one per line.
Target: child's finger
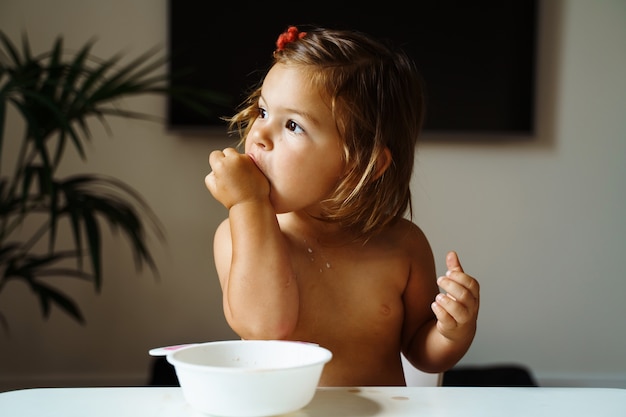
459, 286
452, 262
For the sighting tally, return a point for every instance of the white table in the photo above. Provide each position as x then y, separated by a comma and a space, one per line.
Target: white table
328, 402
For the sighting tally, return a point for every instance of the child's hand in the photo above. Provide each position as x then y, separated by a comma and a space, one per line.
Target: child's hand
235, 178
457, 308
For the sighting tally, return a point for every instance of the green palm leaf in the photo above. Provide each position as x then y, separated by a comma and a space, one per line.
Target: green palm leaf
57, 94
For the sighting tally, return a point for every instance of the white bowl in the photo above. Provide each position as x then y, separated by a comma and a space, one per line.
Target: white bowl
245, 378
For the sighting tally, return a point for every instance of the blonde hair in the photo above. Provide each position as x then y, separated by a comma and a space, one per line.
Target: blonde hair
375, 93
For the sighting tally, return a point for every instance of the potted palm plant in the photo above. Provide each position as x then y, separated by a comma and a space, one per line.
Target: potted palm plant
56, 94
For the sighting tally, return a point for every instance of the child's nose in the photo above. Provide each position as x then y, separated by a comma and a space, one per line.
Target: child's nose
262, 136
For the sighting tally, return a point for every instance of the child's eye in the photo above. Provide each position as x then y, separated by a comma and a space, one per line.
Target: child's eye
262, 113
294, 127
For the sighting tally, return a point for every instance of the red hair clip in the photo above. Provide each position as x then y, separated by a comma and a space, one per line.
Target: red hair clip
290, 35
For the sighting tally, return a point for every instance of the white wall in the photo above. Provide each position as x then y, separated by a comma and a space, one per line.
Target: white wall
539, 220
542, 223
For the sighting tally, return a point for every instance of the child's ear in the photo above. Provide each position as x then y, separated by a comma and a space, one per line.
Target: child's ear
382, 163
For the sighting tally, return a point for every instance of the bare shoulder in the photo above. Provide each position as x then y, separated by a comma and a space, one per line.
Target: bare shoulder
223, 229
222, 249
222, 238
413, 240
409, 236
406, 242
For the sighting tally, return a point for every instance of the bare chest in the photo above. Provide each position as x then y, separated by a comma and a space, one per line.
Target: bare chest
349, 294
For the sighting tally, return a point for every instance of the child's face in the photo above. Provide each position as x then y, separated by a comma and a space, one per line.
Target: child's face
295, 142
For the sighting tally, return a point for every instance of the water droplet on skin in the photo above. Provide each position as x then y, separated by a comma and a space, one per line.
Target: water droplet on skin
327, 264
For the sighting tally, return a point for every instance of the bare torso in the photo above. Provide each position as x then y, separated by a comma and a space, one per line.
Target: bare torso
351, 301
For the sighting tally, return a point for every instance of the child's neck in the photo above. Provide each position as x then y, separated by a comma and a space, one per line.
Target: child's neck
313, 231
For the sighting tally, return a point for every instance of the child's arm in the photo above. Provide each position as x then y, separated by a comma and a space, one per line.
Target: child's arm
259, 293
440, 344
